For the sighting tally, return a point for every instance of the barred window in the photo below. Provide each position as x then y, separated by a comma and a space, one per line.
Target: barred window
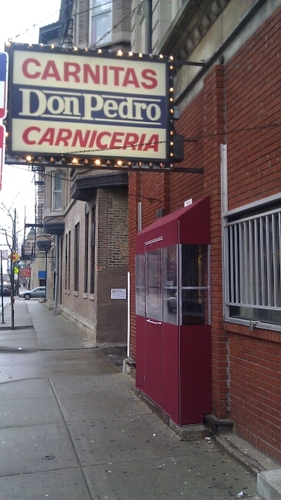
252, 264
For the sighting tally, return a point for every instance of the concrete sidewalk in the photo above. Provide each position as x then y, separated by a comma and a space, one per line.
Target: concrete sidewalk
72, 427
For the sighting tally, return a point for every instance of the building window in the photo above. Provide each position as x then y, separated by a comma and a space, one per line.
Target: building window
92, 243
76, 257
101, 21
86, 253
252, 261
56, 191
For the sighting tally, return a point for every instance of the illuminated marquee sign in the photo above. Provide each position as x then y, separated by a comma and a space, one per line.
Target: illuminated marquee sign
69, 102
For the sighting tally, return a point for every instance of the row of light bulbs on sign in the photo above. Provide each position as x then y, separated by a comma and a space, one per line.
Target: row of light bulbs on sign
119, 53
95, 162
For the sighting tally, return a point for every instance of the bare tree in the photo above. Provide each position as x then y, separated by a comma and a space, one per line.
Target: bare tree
10, 234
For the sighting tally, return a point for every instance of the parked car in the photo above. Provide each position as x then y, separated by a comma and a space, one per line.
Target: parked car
5, 291
35, 293
7, 285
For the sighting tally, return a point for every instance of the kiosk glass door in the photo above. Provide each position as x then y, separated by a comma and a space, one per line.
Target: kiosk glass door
154, 331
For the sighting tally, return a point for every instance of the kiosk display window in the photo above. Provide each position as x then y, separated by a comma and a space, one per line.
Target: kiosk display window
153, 285
140, 285
170, 285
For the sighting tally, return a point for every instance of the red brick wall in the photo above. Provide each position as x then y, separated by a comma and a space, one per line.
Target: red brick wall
253, 107
204, 120
253, 110
239, 105
255, 379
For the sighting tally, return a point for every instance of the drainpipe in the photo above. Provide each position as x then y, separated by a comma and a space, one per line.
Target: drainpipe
56, 272
128, 314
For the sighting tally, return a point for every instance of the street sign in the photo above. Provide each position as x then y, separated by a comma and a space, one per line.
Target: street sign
2, 151
3, 84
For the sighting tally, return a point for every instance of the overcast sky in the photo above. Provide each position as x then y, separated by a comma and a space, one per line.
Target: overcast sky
20, 21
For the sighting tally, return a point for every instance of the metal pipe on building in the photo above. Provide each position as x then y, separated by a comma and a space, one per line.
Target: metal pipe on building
56, 272
128, 315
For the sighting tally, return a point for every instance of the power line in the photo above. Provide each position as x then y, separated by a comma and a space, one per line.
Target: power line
43, 22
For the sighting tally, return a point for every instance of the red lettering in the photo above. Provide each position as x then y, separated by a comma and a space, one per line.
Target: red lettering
94, 76
79, 139
25, 68
131, 140
130, 78
71, 69
105, 75
92, 140
89, 139
116, 70
64, 135
152, 143
100, 145
141, 142
25, 135
148, 74
48, 136
51, 71
116, 139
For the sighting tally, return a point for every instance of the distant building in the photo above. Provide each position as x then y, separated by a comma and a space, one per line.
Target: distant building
86, 211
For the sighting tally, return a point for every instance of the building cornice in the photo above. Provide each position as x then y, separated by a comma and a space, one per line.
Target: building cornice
83, 187
189, 27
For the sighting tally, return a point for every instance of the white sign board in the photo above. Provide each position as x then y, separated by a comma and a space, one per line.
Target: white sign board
118, 293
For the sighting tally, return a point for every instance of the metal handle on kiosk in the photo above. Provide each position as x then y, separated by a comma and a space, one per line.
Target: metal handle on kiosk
154, 322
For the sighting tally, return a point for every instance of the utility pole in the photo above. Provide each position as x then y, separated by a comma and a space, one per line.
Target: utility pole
12, 270
2, 301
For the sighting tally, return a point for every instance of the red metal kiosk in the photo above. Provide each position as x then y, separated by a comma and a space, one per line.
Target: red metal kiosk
173, 332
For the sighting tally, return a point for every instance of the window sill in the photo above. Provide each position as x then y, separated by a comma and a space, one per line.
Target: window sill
253, 329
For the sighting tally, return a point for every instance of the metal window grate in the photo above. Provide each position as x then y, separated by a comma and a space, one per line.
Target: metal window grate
252, 266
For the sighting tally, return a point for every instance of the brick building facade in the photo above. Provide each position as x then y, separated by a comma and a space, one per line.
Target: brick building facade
86, 211
230, 111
